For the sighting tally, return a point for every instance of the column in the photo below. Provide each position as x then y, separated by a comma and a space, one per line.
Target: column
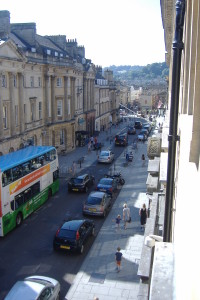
53, 106
85, 95
12, 104
21, 102
72, 92
1, 109
45, 104
65, 97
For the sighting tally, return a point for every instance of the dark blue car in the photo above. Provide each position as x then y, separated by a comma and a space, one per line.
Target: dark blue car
108, 185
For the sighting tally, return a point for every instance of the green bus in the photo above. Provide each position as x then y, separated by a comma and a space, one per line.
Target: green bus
28, 177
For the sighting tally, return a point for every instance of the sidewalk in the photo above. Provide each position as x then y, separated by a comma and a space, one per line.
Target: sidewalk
97, 276
65, 161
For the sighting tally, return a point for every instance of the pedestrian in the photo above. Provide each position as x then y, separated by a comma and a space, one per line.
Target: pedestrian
118, 259
143, 160
92, 142
74, 168
126, 215
143, 215
117, 221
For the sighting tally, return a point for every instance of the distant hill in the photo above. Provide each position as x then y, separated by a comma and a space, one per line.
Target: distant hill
147, 73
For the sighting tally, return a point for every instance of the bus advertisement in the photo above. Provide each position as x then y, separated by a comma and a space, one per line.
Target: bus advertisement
28, 177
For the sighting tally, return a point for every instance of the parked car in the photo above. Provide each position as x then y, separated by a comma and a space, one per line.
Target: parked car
142, 137
138, 125
131, 130
35, 287
121, 139
73, 235
108, 185
106, 156
97, 203
144, 131
148, 127
81, 183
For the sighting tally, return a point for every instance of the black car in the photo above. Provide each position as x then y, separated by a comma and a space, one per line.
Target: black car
131, 130
81, 183
121, 139
73, 235
138, 125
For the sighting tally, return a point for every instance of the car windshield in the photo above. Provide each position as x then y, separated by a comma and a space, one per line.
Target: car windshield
121, 137
67, 233
77, 180
93, 200
104, 153
105, 181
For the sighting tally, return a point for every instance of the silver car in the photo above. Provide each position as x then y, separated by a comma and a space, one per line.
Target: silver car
35, 288
97, 203
106, 156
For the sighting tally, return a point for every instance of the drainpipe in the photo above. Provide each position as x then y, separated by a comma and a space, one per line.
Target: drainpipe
173, 137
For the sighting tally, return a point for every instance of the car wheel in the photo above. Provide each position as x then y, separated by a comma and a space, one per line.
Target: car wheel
86, 189
81, 249
19, 219
122, 181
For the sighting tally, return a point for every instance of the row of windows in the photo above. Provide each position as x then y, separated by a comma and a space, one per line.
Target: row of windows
34, 82
25, 196
16, 113
16, 173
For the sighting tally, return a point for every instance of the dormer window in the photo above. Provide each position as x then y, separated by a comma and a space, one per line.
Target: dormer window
61, 54
48, 52
56, 53
33, 50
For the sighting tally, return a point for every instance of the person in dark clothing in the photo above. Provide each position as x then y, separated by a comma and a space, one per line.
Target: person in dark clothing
118, 258
143, 215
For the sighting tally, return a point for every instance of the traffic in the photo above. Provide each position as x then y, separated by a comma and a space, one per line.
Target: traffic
74, 214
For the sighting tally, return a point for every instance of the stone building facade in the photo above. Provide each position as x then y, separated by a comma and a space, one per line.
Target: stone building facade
46, 88
175, 263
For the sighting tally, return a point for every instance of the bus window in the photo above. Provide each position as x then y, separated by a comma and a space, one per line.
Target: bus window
35, 188
55, 175
7, 177
26, 168
12, 205
27, 194
19, 200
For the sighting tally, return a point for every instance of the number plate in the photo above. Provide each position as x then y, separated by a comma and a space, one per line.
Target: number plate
102, 190
76, 190
92, 209
64, 247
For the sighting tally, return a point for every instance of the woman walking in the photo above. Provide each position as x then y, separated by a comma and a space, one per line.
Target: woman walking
143, 215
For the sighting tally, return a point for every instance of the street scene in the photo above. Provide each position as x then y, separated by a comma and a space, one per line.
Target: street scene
33, 240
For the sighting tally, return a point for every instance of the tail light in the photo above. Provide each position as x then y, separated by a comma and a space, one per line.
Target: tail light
110, 189
77, 235
57, 232
108, 157
102, 208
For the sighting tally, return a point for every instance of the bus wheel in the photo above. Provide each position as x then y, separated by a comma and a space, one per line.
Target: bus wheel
49, 193
19, 219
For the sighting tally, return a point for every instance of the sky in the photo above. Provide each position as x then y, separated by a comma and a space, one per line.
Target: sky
113, 32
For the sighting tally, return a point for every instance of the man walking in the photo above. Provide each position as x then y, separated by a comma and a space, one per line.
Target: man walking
126, 214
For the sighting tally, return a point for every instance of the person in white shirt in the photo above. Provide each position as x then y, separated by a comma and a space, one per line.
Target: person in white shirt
126, 214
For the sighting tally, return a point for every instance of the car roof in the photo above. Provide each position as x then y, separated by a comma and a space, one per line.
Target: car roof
106, 178
25, 290
97, 194
73, 224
